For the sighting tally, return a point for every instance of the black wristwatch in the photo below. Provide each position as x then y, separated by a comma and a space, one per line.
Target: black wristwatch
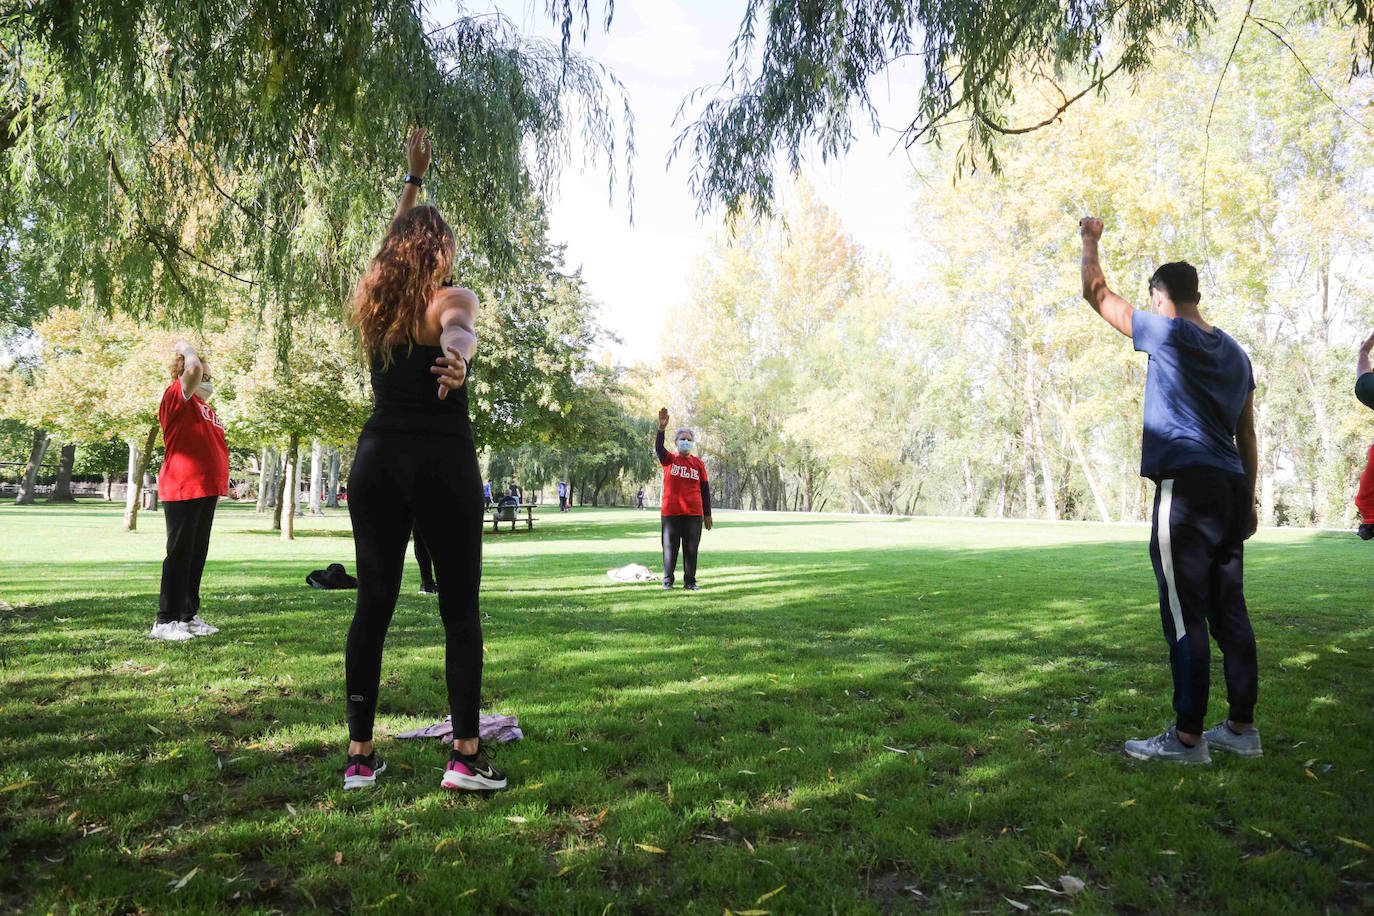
415, 180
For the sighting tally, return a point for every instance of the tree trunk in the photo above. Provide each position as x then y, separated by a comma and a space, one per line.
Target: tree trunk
274, 482
1082, 458
62, 493
292, 488
139, 453
28, 487
109, 482
316, 476
264, 478
278, 488
334, 462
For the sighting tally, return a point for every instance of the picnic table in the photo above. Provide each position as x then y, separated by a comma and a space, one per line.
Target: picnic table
511, 513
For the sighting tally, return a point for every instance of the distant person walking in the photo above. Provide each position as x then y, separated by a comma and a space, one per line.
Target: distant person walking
195, 474
562, 496
1364, 392
416, 470
686, 503
639, 499
486, 493
425, 562
1199, 448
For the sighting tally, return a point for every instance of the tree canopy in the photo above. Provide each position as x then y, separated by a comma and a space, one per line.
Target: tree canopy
800, 71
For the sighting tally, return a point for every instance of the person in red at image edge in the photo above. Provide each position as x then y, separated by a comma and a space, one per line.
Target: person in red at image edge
195, 474
686, 503
1364, 392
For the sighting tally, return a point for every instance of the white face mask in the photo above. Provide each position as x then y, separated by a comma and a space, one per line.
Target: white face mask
684, 446
206, 389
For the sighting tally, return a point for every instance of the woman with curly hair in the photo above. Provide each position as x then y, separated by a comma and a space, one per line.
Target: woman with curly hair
416, 469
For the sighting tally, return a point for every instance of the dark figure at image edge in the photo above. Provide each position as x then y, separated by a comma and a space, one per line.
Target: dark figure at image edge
1364, 392
416, 471
686, 503
1199, 448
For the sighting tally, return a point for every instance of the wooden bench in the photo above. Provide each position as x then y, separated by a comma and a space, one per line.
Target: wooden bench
511, 514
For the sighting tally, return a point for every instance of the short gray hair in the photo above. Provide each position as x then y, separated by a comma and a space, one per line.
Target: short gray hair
684, 429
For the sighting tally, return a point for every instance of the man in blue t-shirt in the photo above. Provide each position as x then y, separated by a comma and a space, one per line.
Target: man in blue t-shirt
1199, 448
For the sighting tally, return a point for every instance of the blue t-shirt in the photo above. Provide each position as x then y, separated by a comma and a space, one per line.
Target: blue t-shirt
1195, 388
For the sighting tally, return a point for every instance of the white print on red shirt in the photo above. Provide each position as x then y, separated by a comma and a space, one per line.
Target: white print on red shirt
208, 413
680, 470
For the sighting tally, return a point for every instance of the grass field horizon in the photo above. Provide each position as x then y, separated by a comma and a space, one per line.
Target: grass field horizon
855, 715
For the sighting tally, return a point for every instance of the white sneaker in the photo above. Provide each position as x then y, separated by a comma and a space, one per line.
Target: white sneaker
174, 631
199, 627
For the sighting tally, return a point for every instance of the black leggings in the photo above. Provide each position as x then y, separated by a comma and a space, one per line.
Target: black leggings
188, 541
430, 484
684, 530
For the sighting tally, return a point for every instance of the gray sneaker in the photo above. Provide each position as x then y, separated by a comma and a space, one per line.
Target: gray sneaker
1246, 745
1168, 747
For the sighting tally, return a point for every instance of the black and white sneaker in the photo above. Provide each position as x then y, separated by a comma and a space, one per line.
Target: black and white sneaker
667, 586
472, 773
691, 588
361, 771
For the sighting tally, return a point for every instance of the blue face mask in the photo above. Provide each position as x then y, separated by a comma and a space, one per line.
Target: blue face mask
684, 446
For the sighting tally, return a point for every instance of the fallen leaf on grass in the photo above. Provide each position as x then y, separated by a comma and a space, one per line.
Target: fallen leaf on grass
442, 843
18, 785
895, 750
381, 903
654, 849
751, 912
1057, 861
156, 729
1039, 887
467, 893
536, 785
1356, 843
515, 819
179, 884
1071, 885
1167, 852
863, 796
749, 772
1310, 774
772, 893
1127, 803
564, 870
338, 858
1017, 903
291, 809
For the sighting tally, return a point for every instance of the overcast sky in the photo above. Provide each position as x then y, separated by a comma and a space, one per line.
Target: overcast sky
662, 50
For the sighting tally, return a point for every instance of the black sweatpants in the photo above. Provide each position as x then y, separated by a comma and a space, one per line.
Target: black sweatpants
681, 531
188, 541
430, 484
1197, 546
422, 558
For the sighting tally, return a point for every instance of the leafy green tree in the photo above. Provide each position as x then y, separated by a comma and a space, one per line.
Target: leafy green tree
799, 73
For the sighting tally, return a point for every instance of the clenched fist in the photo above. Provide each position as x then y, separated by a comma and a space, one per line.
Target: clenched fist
1090, 227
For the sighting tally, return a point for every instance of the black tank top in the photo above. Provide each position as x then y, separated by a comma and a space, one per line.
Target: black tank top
405, 396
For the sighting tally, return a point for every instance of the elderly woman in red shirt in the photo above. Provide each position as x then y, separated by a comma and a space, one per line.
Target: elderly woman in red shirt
686, 503
195, 474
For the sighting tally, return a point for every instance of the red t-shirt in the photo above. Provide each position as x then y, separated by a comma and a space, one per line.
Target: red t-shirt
197, 461
682, 480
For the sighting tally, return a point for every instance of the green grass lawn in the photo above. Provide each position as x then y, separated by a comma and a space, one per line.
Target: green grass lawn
852, 716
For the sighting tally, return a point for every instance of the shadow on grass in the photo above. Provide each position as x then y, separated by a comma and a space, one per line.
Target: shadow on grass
922, 717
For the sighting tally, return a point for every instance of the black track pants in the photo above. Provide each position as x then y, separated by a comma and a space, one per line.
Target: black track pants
681, 531
1197, 546
188, 541
430, 484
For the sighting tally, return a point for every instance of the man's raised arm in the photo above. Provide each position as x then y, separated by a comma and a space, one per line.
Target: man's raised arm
1109, 305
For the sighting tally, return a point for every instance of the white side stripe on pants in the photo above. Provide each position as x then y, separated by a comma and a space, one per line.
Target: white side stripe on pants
1166, 552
